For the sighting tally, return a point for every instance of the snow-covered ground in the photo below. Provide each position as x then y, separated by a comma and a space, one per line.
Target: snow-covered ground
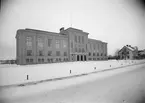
16, 74
63, 91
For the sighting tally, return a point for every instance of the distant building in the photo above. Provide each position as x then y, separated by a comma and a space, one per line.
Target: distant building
141, 54
128, 52
37, 46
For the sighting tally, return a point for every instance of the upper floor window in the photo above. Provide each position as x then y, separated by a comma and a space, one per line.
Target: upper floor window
71, 44
79, 39
64, 43
57, 53
91, 46
49, 42
94, 46
75, 38
49, 53
83, 39
75, 49
79, 49
65, 53
40, 42
93, 54
29, 41
29, 52
83, 50
40, 53
98, 46
57, 43
89, 54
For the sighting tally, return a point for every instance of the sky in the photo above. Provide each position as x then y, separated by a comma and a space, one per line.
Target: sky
117, 22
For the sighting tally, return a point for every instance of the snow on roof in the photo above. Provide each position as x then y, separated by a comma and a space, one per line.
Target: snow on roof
129, 47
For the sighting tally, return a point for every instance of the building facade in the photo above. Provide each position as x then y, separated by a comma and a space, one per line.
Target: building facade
128, 52
37, 46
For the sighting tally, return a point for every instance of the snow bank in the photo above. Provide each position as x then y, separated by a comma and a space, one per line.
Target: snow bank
16, 74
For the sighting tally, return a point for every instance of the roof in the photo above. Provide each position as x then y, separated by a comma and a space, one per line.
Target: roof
38, 31
94, 40
76, 30
131, 48
42, 31
128, 47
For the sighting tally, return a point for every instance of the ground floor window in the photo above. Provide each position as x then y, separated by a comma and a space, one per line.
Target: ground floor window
29, 60
40, 60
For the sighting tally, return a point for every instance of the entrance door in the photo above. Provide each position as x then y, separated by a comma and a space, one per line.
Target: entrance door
77, 57
85, 57
81, 58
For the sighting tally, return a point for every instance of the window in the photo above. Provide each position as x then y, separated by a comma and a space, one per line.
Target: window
93, 54
79, 39
79, 49
65, 53
75, 38
31, 60
40, 53
76, 49
49, 53
42, 60
64, 43
71, 44
40, 42
49, 42
39, 60
90, 46
98, 47
29, 41
89, 54
83, 39
57, 53
48, 60
29, 52
57, 44
97, 54
27, 60
94, 46
83, 50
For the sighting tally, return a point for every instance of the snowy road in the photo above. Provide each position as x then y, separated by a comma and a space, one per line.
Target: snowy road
126, 85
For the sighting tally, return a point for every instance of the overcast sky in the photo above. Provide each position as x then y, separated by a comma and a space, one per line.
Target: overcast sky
117, 22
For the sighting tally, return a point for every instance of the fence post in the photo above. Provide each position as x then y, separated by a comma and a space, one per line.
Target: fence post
27, 77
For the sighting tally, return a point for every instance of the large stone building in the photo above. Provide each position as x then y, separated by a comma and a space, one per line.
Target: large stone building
37, 46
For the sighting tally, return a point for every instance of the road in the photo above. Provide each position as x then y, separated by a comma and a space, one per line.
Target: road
124, 87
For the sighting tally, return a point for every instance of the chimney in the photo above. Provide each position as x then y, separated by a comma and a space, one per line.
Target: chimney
61, 29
